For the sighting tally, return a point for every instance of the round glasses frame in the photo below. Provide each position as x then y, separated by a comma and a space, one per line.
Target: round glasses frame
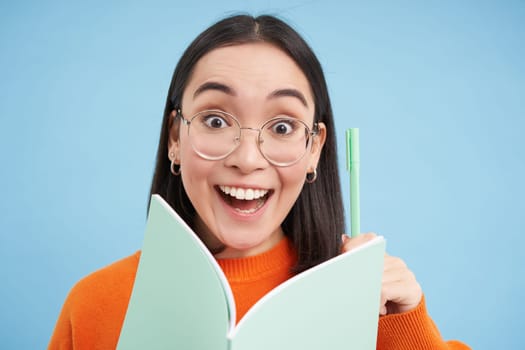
310, 134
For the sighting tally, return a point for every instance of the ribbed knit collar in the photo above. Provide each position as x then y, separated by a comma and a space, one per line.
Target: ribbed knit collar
280, 258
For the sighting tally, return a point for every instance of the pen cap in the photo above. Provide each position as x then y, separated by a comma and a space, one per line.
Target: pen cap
352, 147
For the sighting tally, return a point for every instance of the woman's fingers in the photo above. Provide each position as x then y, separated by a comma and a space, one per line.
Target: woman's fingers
400, 291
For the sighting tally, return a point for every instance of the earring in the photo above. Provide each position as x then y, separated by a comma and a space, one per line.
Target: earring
311, 177
174, 171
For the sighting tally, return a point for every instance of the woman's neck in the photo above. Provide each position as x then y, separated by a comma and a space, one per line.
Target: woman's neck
223, 251
233, 253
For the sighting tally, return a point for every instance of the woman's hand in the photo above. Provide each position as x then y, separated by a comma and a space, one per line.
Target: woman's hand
400, 291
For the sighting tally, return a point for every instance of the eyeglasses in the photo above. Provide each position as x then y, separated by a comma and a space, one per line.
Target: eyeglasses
215, 134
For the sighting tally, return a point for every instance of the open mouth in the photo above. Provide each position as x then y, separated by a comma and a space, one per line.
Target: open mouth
244, 200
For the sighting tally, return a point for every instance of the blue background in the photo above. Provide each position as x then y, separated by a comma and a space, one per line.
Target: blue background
437, 89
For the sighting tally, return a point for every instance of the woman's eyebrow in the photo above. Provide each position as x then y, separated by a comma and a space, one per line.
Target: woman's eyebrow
212, 85
289, 93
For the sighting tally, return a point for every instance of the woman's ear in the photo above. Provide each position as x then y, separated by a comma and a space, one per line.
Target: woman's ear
173, 138
317, 146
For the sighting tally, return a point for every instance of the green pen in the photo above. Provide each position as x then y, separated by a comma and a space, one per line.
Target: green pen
352, 165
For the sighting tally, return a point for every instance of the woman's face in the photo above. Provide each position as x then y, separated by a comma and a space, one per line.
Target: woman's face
253, 82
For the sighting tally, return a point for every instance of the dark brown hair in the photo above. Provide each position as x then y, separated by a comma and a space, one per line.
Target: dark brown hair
316, 221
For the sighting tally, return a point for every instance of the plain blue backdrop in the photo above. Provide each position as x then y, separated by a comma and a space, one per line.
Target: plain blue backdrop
437, 89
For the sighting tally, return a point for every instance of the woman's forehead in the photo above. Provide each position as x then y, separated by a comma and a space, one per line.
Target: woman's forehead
248, 69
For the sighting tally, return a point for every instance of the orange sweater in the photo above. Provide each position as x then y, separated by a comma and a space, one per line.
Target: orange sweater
94, 310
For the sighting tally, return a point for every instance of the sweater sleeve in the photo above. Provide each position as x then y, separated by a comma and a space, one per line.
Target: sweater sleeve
413, 330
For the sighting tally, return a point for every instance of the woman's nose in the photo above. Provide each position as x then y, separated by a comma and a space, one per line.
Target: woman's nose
247, 157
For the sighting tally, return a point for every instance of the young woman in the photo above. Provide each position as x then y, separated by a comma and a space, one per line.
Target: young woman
247, 157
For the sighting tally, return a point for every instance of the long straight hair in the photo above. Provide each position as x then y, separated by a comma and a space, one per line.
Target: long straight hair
316, 221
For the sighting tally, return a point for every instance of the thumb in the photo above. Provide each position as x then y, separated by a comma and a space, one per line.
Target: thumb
350, 243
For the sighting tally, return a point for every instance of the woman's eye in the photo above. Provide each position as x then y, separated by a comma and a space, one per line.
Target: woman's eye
215, 122
283, 127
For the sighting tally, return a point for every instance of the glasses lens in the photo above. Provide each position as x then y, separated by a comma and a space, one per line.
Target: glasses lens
213, 134
284, 140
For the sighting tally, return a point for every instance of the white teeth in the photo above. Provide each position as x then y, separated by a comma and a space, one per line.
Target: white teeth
239, 194
260, 203
243, 193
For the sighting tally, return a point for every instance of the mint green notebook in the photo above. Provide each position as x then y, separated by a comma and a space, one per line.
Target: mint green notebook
182, 300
